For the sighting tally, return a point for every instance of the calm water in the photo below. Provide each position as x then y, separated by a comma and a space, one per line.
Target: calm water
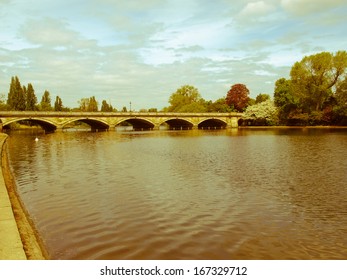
240, 194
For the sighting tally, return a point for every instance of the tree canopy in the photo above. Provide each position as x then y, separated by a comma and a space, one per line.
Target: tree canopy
31, 99
88, 104
58, 104
16, 96
265, 113
238, 97
105, 107
315, 77
186, 99
45, 104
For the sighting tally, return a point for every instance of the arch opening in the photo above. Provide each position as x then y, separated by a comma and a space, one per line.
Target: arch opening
94, 125
212, 124
179, 124
31, 124
136, 124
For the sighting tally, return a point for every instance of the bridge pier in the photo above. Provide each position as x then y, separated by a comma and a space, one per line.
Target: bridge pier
234, 122
58, 129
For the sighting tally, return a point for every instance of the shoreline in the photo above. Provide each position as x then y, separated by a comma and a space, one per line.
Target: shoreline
31, 242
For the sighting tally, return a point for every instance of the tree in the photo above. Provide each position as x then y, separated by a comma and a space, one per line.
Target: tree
84, 104
93, 104
186, 98
31, 99
315, 77
218, 106
264, 113
16, 96
88, 104
58, 104
3, 105
194, 107
261, 97
45, 104
341, 93
284, 99
340, 109
238, 97
105, 107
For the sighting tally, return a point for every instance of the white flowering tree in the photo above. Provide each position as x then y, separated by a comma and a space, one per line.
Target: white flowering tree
264, 113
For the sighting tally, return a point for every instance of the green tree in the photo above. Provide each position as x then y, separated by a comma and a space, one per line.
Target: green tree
218, 106
315, 77
93, 104
16, 96
88, 104
3, 105
58, 104
238, 97
340, 109
284, 99
45, 104
84, 104
194, 107
31, 99
186, 98
105, 107
341, 93
261, 97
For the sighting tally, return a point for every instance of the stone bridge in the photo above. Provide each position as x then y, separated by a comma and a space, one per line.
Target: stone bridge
101, 121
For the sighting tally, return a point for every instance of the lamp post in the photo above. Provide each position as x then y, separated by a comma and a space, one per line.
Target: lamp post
130, 106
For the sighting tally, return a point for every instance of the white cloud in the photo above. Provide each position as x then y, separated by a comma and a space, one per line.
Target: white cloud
49, 32
255, 9
304, 7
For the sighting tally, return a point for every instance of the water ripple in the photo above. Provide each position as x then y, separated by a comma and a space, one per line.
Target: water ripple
259, 195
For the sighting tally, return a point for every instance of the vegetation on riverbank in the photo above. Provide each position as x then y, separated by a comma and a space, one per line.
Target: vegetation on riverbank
315, 94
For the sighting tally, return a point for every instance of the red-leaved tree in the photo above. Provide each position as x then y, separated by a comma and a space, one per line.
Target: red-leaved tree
238, 97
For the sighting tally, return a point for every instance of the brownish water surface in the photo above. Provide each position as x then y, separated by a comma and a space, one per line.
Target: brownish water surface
240, 194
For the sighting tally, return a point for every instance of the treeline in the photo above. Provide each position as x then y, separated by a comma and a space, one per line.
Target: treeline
23, 98
315, 94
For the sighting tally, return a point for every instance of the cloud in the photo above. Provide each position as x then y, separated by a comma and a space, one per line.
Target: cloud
304, 7
141, 52
49, 32
255, 9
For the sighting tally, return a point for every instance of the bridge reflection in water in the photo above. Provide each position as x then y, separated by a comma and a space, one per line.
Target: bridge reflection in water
100, 121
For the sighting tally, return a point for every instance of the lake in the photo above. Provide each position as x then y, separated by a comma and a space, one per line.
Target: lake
247, 193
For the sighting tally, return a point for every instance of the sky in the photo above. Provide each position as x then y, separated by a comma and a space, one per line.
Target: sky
141, 52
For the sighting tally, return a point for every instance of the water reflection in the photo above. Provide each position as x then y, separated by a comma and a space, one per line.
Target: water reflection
228, 194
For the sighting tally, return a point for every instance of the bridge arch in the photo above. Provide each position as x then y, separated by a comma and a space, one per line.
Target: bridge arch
138, 123
95, 124
46, 125
212, 123
178, 123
